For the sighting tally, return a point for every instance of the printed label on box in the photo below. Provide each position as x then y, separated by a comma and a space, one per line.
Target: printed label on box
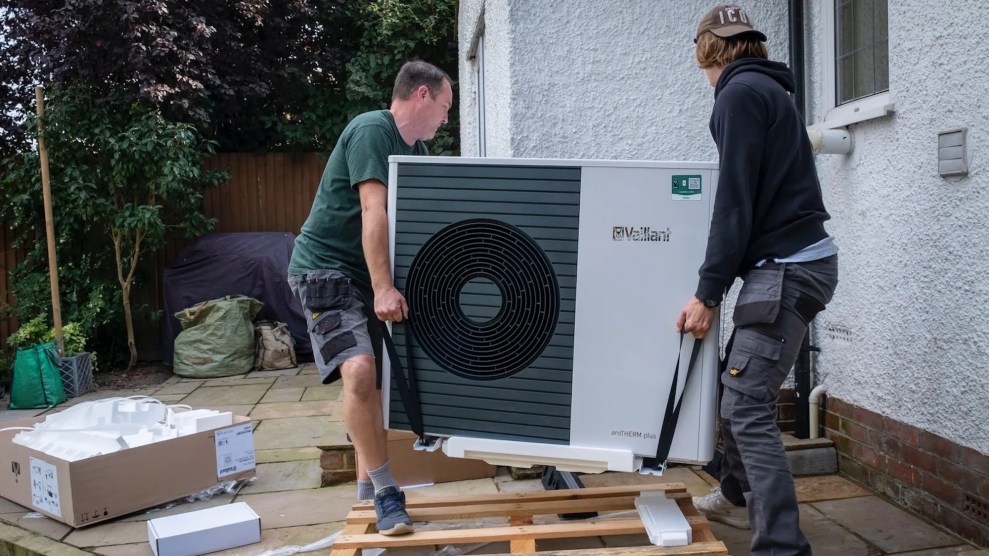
234, 450
44, 487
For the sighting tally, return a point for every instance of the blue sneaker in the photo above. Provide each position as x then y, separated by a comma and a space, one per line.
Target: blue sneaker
389, 505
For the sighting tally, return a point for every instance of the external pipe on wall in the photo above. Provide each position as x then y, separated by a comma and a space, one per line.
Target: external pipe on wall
814, 401
801, 370
830, 141
796, 21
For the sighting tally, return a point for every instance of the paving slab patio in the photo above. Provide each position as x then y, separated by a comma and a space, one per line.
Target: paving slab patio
276, 373
286, 454
246, 394
283, 395
317, 393
279, 410
302, 507
303, 381
285, 475
294, 415
300, 432
884, 525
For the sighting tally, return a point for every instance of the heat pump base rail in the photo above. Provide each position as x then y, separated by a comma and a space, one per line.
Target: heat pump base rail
513, 453
460, 514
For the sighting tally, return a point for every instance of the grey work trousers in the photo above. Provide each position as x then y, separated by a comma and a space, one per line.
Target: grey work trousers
774, 306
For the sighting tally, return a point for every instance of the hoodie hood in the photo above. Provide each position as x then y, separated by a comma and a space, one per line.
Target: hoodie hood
775, 70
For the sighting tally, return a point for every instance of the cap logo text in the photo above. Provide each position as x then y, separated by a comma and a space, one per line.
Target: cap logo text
730, 13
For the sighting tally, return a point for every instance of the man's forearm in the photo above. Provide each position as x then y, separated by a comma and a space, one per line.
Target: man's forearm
374, 236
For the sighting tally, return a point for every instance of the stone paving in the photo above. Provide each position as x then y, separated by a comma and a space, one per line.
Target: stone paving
293, 415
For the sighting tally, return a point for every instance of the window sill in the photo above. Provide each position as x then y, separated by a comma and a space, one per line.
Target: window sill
869, 108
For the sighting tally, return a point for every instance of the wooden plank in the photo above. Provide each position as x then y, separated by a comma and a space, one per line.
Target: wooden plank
520, 546
522, 535
699, 526
673, 489
716, 548
350, 529
493, 534
279, 205
512, 509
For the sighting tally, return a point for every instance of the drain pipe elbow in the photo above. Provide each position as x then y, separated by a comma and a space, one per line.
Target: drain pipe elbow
813, 403
829, 141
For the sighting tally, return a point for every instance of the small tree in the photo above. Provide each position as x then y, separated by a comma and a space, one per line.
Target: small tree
121, 170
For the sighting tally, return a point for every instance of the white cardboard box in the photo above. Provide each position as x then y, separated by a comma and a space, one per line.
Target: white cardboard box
81, 493
203, 531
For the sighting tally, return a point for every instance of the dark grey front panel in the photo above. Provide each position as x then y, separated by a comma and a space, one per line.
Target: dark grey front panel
542, 202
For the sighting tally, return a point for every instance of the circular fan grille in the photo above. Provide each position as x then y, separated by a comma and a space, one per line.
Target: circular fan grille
470, 342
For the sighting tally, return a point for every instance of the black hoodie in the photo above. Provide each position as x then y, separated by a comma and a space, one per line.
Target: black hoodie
768, 202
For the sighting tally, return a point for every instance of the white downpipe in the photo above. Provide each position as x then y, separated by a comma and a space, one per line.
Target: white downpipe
813, 402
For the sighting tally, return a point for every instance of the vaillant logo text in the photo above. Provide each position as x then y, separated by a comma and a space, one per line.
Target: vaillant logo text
639, 233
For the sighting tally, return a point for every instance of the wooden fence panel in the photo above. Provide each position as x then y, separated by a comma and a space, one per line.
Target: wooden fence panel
9, 256
268, 192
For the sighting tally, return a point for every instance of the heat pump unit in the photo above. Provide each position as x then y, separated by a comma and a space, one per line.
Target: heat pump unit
543, 297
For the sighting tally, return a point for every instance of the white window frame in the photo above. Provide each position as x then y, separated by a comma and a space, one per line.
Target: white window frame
476, 55
867, 108
482, 143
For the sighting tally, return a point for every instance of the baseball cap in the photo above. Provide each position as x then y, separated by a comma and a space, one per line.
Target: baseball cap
727, 21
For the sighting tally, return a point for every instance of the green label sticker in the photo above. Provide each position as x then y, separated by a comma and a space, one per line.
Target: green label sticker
686, 188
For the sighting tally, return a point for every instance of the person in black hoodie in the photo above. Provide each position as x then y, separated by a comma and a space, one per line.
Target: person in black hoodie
768, 229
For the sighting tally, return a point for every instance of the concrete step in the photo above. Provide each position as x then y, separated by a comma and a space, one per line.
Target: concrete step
810, 456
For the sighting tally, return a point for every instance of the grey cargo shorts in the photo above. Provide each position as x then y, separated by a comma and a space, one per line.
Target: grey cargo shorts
340, 320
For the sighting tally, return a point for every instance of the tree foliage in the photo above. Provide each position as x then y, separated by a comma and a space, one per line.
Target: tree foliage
395, 31
141, 89
121, 170
249, 74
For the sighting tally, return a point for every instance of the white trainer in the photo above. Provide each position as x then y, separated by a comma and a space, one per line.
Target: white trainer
716, 507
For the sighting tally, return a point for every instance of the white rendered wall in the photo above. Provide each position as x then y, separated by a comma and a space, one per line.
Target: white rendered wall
906, 335
600, 79
493, 18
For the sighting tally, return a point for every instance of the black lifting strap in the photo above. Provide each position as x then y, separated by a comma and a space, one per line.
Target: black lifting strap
407, 390
673, 406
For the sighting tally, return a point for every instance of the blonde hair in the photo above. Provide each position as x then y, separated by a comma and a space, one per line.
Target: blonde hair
713, 51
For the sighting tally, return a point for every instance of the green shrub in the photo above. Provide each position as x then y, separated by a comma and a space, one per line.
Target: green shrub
37, 331
33, 332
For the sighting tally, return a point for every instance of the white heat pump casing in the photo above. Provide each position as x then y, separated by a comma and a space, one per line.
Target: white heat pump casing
640, 244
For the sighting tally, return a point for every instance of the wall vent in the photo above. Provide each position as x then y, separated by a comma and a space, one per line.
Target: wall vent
976, 508
838, 333
952, 152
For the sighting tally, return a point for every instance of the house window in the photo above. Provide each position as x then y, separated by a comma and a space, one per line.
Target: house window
862, 60
856, 68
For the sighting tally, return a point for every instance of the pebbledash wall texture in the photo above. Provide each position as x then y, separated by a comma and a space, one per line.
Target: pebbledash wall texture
904, 343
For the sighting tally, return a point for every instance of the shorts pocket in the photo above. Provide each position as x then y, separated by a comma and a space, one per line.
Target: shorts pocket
327, 294
326, 323
336, 345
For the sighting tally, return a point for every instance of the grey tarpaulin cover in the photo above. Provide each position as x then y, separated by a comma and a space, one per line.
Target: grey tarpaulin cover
254, 264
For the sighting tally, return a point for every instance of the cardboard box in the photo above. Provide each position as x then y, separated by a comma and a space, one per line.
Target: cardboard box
92, 490
413, 467
204, 531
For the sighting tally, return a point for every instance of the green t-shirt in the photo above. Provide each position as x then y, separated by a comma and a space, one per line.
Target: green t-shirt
331, 236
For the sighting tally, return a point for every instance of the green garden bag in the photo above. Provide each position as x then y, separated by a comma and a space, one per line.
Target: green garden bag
37, 381
217, 338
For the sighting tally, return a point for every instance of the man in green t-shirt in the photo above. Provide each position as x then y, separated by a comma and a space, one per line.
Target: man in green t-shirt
341, 269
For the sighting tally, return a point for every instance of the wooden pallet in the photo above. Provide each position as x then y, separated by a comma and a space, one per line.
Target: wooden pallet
521, 533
